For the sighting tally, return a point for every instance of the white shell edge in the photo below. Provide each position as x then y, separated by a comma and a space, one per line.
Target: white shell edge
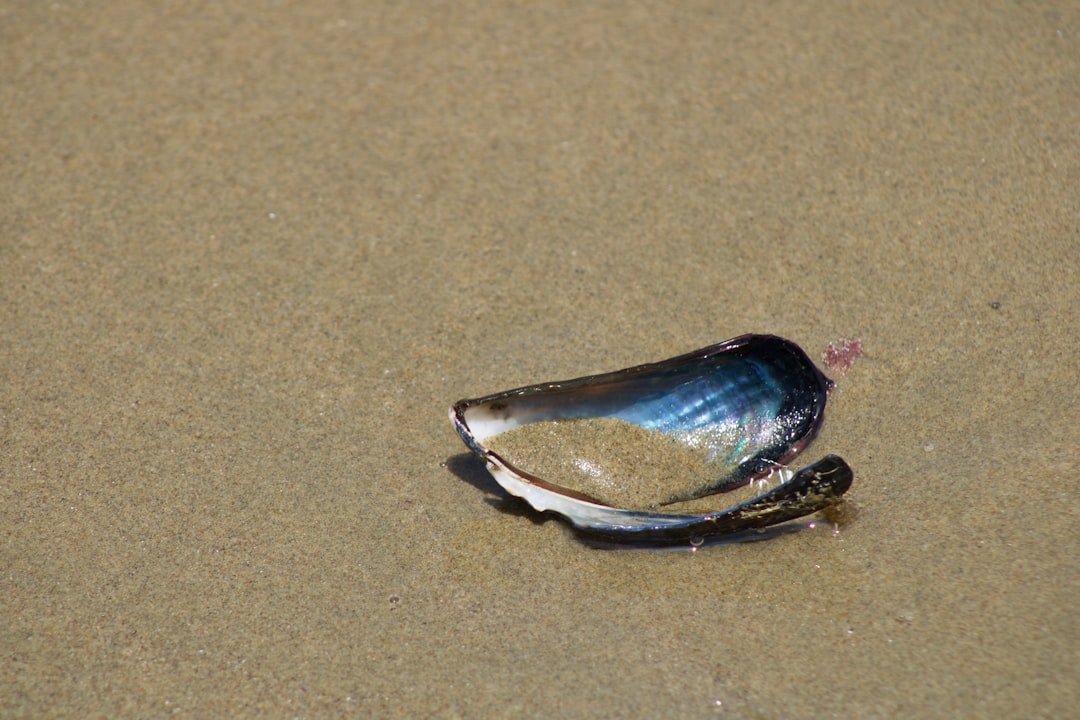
581, 513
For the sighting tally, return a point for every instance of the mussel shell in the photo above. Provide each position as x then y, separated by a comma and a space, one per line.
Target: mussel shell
763, 388
811, 489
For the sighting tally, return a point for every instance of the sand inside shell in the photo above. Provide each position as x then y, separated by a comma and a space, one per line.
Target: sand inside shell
615, 462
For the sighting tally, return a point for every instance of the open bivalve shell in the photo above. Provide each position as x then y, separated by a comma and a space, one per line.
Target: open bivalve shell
628, 455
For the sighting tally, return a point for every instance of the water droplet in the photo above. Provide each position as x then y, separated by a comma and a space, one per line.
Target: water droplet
697, 541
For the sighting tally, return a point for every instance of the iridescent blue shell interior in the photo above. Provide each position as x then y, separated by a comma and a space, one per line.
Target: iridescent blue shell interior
754, 401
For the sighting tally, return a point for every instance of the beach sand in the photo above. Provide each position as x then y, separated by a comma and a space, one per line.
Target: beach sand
248, 259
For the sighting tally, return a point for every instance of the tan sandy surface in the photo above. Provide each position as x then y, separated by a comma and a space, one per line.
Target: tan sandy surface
248, 257
619, 463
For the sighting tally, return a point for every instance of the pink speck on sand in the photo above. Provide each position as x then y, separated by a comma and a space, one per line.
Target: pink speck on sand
841, 355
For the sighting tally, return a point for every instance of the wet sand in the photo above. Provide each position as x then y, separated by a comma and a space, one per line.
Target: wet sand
617, 463
249, 258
